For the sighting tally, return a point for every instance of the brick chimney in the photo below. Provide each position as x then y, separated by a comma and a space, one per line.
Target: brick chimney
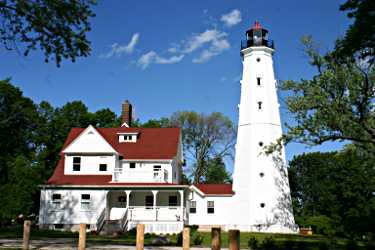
126, 114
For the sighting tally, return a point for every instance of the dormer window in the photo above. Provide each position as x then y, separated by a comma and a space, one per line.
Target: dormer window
127, 136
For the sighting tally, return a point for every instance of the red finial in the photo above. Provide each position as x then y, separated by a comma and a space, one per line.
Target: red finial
257, 25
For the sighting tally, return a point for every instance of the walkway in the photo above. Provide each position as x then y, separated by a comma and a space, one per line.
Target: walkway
69, 244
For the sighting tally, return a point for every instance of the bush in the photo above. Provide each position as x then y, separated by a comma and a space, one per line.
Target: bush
351, 245
179, 239
253, 243
321, 225
198, 239
268, 243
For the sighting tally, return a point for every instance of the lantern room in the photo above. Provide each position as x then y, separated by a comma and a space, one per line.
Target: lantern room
257, 36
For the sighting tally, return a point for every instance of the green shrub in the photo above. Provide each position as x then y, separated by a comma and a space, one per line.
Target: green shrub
253, 243
351, 245
323, 246
179, 239
198, 239
321, 225
268, 243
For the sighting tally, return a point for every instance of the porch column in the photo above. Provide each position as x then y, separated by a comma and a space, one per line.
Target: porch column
107, 210
155, 193
182, 203
128, 203
127, 197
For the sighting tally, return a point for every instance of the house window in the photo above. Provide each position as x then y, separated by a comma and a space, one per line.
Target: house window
210, 207
261, 174
85, 201
260, 144
58, 226
193, 207
76, 163
132, 165
258, 81
157, 170
172, 201
149, 201
56, 201
102, 167
258, 59
259, 105
262, 205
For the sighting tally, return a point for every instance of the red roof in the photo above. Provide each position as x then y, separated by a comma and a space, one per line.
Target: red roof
212, 189
152, 143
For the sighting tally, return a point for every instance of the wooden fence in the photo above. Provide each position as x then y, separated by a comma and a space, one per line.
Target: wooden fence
234, 237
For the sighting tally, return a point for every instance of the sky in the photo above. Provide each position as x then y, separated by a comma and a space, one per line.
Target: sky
167, 55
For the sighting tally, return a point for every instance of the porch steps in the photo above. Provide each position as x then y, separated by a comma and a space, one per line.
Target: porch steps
111, 227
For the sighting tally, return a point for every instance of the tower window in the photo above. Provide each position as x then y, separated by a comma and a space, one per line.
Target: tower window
259, 105
260, 144
258, 81
261, 174
210, 207
262, 205
258, 59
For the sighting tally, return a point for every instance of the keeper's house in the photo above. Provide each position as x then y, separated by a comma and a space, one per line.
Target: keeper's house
114, 178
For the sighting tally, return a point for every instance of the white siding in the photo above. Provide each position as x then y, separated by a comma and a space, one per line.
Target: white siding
70, 211
90, 164
221, 216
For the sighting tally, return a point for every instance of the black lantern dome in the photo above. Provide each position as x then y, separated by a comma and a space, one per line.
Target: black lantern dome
257, 36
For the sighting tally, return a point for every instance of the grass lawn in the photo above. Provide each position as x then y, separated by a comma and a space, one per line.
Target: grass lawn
279, 241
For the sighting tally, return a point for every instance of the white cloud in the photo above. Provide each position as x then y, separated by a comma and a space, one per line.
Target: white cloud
118, 50
232, 18
216, 48
198, 40
153, 58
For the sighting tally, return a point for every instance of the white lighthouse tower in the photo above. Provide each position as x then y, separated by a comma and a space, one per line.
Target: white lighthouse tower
260, 182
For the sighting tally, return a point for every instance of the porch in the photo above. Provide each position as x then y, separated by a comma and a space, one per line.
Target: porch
161, 210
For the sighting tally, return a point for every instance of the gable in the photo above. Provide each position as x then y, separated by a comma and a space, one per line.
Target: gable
89, 141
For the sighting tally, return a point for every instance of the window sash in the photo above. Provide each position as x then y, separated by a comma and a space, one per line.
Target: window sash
102, 167
85, 201
210, 207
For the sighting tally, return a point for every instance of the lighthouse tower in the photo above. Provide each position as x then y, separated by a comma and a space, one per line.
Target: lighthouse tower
260, 182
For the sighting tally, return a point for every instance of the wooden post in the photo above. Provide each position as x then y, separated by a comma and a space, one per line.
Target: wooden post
234, 239
186, 238
215, 238
82, 237
26, 234
140, 236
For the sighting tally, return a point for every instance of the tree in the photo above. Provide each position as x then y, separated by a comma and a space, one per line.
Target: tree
154, 123
360, 35
337, 104
204, 137
56, 27
18, 119
333, 192
216, 172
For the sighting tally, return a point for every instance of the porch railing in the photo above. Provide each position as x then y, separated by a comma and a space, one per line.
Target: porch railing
100, 222
158, 213
124, 219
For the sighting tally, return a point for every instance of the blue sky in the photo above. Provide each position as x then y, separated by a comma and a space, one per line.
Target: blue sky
169, 55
